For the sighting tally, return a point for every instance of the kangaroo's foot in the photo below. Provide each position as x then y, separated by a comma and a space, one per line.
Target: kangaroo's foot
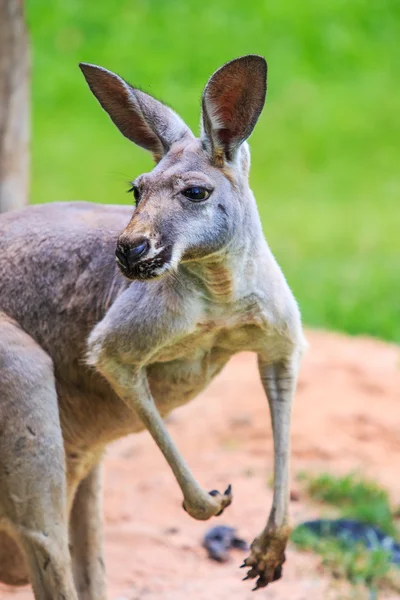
267, 555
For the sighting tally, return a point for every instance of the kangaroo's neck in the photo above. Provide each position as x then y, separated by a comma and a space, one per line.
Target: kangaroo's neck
213, 276
113, 286
232, 273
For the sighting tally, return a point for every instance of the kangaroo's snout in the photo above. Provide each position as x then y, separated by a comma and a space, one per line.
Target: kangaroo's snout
129, 254
142, 258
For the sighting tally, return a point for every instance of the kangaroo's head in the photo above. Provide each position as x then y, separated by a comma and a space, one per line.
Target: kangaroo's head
194, 202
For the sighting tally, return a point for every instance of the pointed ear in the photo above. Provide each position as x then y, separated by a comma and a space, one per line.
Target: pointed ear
232, 102
139, 117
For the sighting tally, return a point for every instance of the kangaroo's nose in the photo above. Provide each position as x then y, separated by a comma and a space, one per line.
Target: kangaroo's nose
129, 254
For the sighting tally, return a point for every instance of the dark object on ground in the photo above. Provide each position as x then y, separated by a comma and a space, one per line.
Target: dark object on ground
353, 532
219, 540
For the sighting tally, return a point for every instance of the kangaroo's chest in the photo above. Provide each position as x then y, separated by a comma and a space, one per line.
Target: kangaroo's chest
181, 370
216, 332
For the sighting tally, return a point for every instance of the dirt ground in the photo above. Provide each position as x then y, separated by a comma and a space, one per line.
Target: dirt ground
346, 417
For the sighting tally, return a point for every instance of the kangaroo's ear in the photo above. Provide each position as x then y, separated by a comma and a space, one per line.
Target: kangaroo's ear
232, 102
139, 117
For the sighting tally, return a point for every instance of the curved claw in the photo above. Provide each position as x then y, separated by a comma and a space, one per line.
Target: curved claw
226, 498
262, 581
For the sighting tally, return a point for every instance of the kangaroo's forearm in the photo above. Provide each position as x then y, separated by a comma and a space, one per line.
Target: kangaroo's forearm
132, 387
268, 549
279, 382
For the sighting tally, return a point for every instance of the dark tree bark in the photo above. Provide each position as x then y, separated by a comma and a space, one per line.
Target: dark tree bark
14, 106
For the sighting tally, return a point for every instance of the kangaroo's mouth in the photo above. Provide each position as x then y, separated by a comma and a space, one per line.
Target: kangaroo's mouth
149, 268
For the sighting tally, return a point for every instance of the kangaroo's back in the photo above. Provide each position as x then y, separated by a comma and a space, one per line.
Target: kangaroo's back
57, 269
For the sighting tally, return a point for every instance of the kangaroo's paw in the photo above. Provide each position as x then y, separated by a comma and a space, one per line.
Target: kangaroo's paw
267, 555
213, 507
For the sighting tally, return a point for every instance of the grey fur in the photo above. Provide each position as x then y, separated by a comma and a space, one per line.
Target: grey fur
88, 355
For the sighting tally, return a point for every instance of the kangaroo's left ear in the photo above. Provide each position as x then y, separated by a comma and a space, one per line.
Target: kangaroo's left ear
232, 102
141, 118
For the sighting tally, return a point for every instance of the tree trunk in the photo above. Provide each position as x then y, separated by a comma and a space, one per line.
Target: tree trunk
14, 106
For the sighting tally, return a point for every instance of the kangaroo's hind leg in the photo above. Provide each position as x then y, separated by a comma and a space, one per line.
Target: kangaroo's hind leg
33, 504
87, 539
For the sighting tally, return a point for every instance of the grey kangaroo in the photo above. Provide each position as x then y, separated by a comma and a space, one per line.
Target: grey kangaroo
109, 320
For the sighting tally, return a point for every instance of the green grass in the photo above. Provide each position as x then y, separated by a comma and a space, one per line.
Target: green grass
354, 497
325, 166
360, 499
356, 564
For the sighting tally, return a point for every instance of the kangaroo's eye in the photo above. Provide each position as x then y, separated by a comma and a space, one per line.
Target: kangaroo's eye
196, 194
136, 193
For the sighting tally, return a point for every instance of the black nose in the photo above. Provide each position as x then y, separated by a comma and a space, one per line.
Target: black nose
137, 249
129, 254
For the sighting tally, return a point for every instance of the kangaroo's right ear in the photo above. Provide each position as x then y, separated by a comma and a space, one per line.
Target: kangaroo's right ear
232, 102
139, 117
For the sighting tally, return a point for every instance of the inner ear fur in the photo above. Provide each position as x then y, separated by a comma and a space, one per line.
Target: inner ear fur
232, 102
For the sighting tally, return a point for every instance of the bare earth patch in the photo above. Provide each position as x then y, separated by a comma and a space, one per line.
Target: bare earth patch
346, 417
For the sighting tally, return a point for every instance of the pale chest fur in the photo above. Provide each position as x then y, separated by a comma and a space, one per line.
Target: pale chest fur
183, 368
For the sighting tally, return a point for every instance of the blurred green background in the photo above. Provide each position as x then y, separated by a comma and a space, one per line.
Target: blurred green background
325, 154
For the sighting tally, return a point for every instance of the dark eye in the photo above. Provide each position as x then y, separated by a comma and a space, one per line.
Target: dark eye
196, 194
136, 192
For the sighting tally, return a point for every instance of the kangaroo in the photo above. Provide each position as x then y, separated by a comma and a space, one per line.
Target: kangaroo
109, 320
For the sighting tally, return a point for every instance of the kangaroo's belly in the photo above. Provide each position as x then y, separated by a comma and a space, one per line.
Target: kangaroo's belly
92, 415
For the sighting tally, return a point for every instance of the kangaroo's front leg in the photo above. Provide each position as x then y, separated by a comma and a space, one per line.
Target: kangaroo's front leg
131, 385
267, 552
